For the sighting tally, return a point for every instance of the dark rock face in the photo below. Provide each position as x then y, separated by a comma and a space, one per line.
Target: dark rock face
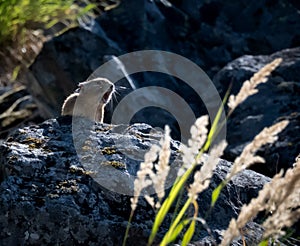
62, 64
17, 108
211, 34
276, 100
50, 191
47, 196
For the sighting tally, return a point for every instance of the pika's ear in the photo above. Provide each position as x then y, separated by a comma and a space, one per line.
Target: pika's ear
80, 87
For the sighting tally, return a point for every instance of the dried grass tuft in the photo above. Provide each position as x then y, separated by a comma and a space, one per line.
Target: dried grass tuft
162, 167
203, 176
284, 203
249, 86
143, 175
153, 174
198, 137
247, 158
280, 197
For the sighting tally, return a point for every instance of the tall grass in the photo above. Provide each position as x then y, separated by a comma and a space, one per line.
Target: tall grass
201, 139
19, 16
22, 30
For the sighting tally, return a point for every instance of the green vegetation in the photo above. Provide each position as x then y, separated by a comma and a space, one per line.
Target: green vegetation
19, 16
22, 30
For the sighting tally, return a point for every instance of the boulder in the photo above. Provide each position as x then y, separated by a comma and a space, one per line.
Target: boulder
50, 192
276, 100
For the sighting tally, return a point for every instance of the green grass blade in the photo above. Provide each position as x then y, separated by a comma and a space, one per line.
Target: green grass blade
215, 128
189, 233
51, 23
87, 9
178, 229
264, 243
216, 192
167, 237
15, 73
127, 228
178, 185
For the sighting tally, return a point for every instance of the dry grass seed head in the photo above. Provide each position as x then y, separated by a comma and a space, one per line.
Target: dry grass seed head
249, 86
143, 180
281, 196
146, 175
162, 167
285, 205
266, 136
203, 176
198, 137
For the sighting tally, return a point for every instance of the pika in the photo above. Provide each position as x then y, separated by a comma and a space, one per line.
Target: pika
89, 99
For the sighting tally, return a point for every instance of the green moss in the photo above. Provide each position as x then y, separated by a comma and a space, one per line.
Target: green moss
79, 170
104, 129
67, 187
33, 143
139, 136
86, 148
115, 164
53, 196
109, 151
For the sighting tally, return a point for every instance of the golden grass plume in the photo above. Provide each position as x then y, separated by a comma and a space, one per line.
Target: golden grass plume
249, 86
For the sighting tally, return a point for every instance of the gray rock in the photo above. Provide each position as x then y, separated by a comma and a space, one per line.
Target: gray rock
48, 195
276, 100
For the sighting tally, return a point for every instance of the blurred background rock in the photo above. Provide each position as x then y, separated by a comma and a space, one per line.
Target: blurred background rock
43, 61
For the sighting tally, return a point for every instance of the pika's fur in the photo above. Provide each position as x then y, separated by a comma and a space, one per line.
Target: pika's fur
89, 99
